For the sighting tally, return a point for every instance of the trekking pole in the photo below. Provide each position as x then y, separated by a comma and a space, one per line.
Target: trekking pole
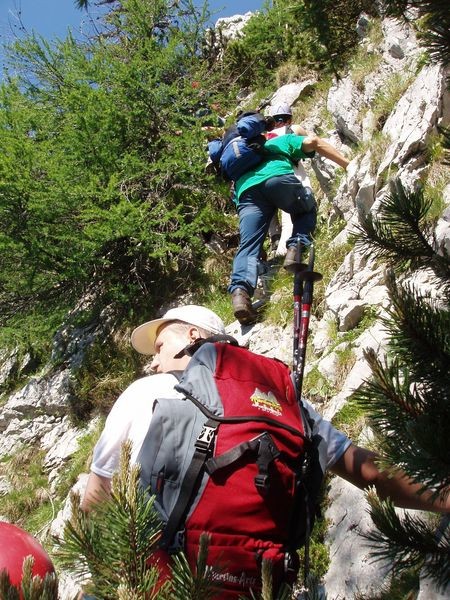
304, 278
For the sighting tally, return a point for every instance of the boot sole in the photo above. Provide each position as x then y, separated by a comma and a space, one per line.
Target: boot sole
245, 317
293, 266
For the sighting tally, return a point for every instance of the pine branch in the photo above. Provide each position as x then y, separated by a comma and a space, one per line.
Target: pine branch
31, 587
285, 591
412, 427
113, 542
418, 327
408, 543
267, 581
399, 233
202, 584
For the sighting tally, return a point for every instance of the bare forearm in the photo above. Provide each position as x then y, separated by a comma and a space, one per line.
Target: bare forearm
97, 488
358, 466
314, 143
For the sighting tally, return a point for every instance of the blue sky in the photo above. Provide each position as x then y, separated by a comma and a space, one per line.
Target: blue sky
51, 18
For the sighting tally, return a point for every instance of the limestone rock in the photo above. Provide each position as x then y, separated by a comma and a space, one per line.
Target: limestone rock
270, 341
69, 586
350, 286
231, 28
345, 103
329, 366
291, 92
358, 190
351, 568
5, 486
324, 170
362, 26
375, 337
369, 126
58, 524
61, 442
20, 432
415, 117
442, 233
395, 49
9, 365
321, 338
351, 314
365, 195
400, 41
49, 395
428, 590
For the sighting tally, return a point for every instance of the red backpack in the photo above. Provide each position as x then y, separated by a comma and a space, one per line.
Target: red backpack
232, 459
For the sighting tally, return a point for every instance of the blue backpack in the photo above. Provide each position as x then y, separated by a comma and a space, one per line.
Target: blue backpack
241, 148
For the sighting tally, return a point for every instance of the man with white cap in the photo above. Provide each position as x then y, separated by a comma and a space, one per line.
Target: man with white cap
131, 414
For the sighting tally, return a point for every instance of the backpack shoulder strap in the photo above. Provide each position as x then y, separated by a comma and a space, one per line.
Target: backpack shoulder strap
204, 446
191, 349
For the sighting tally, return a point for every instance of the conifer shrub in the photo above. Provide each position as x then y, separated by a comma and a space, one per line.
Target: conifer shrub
31, 587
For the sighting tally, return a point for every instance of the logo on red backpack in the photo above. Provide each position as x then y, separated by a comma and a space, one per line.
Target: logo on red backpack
266, 402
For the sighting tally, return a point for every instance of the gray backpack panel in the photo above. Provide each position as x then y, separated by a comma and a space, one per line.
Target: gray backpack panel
168, 447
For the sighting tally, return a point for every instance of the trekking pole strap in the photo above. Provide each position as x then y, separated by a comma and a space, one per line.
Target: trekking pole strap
204, 447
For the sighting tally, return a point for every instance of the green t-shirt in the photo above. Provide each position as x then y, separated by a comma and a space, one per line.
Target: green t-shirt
289, 145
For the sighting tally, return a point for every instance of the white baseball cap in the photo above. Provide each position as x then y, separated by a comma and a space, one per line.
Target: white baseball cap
143, 337
280, 109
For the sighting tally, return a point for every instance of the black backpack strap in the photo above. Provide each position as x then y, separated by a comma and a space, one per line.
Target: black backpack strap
266, 452
191, 349
204, 446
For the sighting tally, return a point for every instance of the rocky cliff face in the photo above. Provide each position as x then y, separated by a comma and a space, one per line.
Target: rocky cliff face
385, 118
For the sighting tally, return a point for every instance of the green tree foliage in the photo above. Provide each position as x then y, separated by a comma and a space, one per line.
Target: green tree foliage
268, 41
111, 544
97, 190
408, 397
314, 35
334, 22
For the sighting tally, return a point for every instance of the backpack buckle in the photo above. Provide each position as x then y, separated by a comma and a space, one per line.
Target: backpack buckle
205, 440
262, 483
267, 453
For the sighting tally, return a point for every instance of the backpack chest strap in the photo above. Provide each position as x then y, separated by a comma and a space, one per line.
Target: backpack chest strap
265, 451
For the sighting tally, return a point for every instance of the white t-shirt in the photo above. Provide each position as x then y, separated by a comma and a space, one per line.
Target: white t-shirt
129, 419
131, 414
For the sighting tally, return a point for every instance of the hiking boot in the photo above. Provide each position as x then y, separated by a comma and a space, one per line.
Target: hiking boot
292, 262
242, 307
